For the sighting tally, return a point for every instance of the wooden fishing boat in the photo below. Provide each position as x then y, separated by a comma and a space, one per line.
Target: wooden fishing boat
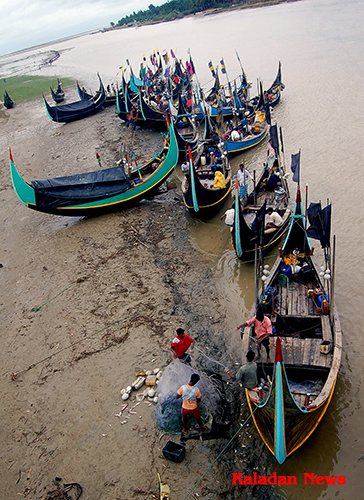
203, 194
76, 110
124, 104
271, 191
8, 102
239, 139
110, 98
273, 94
251, 126
307, 340
58, 95
186, 129
152, 114
97, 192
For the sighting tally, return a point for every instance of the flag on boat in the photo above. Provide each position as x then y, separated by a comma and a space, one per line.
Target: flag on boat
320, 223
295, 166
223, 69
212, 69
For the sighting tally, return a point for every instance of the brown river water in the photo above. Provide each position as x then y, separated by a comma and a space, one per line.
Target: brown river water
321, 114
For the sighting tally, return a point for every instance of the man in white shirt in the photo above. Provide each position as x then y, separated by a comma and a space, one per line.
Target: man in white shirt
229, 216
272, 219
243, 176
185, 167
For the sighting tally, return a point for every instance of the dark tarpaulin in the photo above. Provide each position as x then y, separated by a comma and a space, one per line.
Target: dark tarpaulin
320, 223
267, 113
81, 188
258, 225
273, 133
295, 167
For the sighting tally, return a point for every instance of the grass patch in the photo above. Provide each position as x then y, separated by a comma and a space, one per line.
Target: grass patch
27, 88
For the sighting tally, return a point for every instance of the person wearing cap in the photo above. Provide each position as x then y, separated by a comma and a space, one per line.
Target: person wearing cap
243, 176
180, 345
191, 396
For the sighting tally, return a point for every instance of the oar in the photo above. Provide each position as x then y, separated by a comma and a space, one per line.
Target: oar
136, 164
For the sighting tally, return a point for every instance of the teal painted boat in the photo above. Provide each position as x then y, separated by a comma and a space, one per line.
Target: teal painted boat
307, 339
93, 193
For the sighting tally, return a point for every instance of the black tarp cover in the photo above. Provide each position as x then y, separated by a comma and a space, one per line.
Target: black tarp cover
80, 188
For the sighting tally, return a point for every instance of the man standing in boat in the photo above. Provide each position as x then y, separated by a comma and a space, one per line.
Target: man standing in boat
243, 176
180, 345
263, 330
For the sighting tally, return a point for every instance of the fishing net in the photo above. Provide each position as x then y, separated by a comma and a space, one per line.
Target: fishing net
168, 408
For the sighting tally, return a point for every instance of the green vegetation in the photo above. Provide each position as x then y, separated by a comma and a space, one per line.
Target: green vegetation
175, 9
27, 88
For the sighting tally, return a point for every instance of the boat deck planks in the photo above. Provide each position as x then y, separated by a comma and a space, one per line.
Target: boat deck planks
299, 352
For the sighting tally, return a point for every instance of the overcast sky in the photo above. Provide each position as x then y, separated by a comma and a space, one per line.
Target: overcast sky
25, 23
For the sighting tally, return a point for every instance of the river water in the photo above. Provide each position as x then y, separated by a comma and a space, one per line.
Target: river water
321, 114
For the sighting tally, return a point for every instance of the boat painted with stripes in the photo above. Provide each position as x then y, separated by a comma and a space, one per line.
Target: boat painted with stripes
298, 296
93, 193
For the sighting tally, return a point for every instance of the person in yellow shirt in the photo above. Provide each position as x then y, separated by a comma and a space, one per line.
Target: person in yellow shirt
219, 180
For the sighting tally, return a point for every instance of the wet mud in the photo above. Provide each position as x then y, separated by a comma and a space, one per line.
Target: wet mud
86, 300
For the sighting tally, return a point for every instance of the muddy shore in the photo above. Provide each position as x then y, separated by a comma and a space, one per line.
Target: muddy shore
86, 300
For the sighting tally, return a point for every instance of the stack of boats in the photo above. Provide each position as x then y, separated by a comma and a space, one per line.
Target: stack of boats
205, 133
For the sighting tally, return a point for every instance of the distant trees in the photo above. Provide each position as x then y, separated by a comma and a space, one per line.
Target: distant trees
174, 9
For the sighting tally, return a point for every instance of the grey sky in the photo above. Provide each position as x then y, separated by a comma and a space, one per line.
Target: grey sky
25, 23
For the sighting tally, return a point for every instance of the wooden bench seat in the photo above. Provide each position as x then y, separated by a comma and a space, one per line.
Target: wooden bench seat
297, 351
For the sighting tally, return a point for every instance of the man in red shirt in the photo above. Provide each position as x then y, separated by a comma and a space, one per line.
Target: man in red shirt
263, 330
191, 396
180, 345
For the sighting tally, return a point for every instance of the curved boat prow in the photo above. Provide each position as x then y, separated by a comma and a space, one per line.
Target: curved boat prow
279, 427
239, 250
22, 189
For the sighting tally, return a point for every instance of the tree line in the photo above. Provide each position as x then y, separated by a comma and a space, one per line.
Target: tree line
175, 9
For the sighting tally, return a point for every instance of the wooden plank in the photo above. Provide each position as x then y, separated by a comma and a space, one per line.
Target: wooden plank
297, 351
289, 350
306, 351
303, 299
318, 358
292, 301
312, 351
326, 328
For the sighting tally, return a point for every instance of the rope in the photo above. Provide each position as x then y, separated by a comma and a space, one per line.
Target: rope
210, 359
219, 455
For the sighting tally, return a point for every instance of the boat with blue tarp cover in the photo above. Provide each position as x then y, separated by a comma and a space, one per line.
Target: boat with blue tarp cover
97, 192
76, 110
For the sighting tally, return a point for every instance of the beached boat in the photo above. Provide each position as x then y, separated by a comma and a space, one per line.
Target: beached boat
58, 95
8, 102
110, 99
307, 338
76, 110
186, 129
207, 185
97, 192
271, 191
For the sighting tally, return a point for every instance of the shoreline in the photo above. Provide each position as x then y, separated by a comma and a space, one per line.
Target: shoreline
208, 12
